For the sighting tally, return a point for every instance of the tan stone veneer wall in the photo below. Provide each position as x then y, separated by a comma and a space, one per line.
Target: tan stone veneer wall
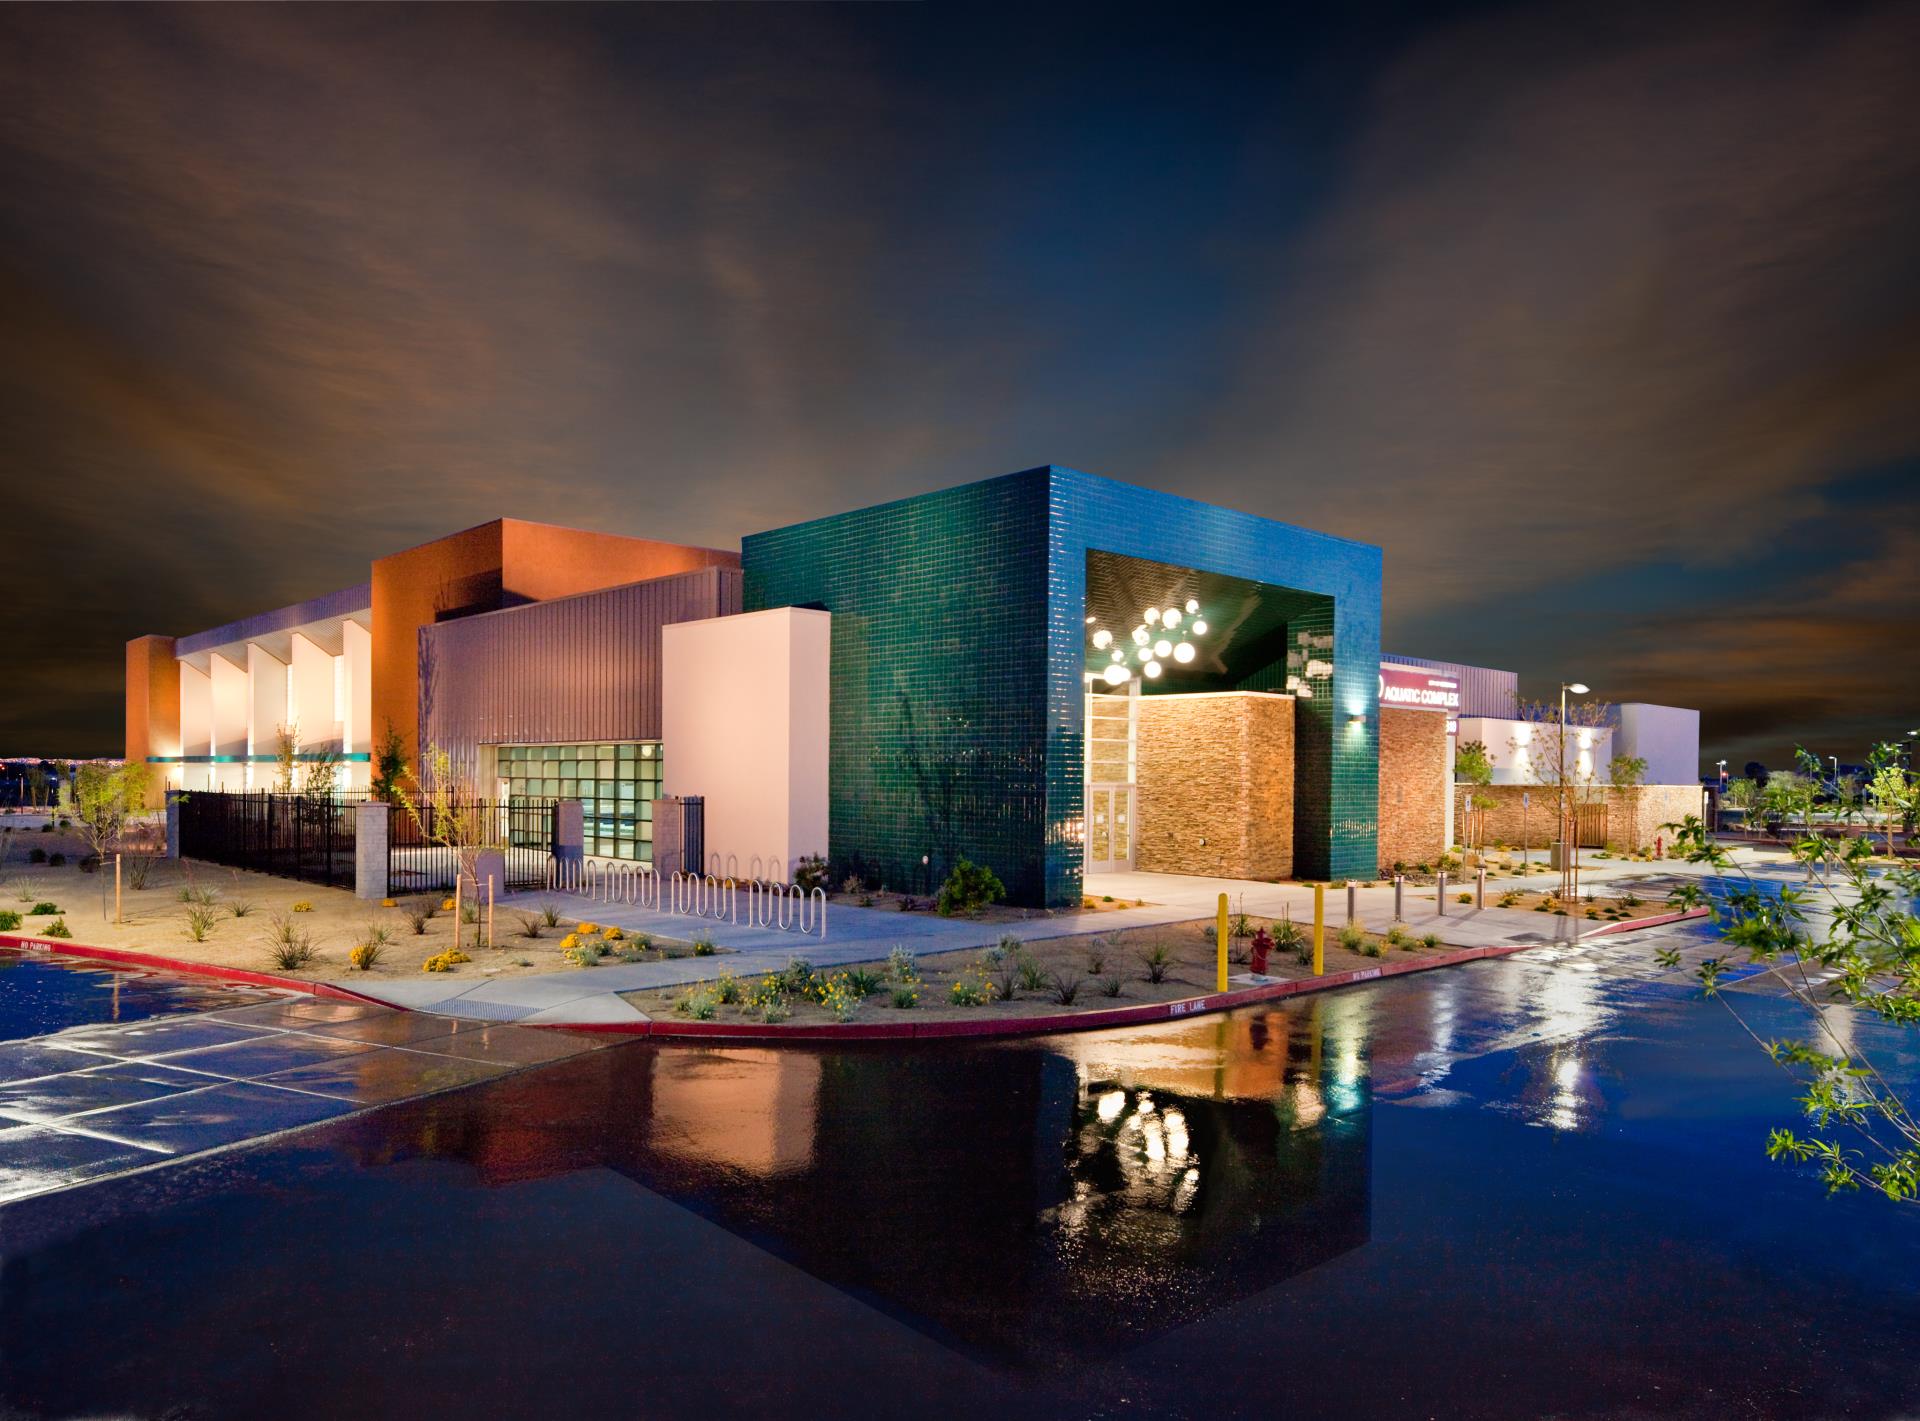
1413, 786
1634, 816
1215, 767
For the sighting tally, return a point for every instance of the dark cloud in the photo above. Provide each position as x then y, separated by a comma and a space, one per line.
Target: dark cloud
1557, 305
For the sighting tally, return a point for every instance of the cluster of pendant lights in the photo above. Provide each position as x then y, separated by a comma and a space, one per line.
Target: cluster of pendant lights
1160, 637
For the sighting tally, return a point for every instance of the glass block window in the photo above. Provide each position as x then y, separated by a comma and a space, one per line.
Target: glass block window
616, 784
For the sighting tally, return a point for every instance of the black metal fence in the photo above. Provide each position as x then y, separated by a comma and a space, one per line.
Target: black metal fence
417, 864
292, 836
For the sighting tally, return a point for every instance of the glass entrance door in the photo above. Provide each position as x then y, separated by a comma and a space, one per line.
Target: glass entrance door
1109, 828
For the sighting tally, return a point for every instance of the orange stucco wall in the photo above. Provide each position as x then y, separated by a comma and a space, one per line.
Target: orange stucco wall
498, 564
153, 704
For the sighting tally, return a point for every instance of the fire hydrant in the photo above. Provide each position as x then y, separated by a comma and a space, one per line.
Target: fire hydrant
1262, 945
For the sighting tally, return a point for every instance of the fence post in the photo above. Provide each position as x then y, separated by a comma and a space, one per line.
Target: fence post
372, 820
173, 823
569, 832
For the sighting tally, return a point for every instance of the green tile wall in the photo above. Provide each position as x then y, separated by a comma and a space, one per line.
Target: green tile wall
958, 648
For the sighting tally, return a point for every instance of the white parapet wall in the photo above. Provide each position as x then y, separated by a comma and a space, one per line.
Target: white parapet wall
744, 719
1523, 752
1666, 737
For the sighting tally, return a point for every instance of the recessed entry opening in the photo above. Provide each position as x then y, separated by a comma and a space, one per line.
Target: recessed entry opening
1206, 697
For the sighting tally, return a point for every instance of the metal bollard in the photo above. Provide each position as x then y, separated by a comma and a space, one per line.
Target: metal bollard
1399, 889
1480, 889
1353, 901
1440, 893
1220, 947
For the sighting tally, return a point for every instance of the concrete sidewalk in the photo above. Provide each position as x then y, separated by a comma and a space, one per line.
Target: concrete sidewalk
861, 935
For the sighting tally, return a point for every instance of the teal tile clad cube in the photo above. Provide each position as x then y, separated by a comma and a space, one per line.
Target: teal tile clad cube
959, 649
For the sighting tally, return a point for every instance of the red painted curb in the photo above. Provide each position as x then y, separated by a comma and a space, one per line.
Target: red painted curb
68, 948
1052, 1025
1636, 923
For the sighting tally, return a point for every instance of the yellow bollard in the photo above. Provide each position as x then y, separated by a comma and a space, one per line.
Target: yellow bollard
1220, 947
116, 889
1319, 929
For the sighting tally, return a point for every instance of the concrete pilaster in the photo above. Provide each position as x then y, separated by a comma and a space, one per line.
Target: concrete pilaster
371, 822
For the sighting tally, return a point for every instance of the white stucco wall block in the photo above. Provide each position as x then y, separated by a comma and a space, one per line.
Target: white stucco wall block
1666, 737
745, 706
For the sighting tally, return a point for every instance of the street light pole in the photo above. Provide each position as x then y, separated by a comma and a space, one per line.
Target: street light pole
1567, 849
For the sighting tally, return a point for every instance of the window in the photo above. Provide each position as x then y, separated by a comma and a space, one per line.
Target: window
616, 785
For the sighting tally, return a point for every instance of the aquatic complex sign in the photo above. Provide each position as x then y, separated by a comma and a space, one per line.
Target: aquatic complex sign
1419, 690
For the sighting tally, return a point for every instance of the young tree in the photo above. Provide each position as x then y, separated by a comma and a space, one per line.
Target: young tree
105, 800
1860, 1130
1893, 789
319, 775
449, 811
1473, 767
37, 784
1743, 795
389, 766
1626, 771
286, 756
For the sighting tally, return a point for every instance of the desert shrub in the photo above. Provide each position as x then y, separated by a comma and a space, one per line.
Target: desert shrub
1630, 900
9, 920
1031, 974
970, 888
89, 863
863, 981
1110, 985
1096, 957
812, 872
838, 997
42, 910
703, 946
1464, 898
303, 906
901, 966
905, 996
1065, 988
56, 860
970, 989
549, 913
136, 870
25, 889
445, 961
470, 913
796, 978
1510, 898
36, 855
57, 928
364, 954
726, 989
1156, 960
852, 885
1430, 940
585, 952
700, 1003
866, 900
192, 893
1289, 936
1005, 977
199, 921
288, 944
418, 912
447, 904
531, 924
1003, 949
1396, 936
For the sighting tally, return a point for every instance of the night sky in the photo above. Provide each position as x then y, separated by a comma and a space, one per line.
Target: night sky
1603, 321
